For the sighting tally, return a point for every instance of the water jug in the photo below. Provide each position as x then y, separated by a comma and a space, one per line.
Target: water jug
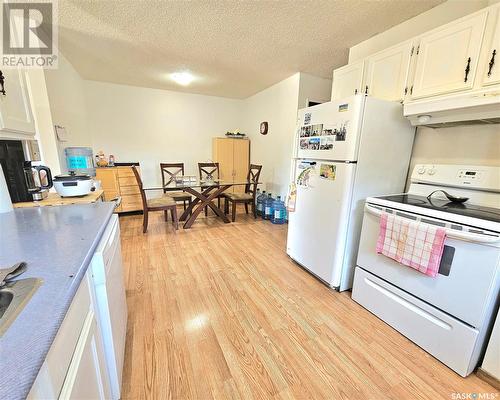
260, 203
268, 207
279, 211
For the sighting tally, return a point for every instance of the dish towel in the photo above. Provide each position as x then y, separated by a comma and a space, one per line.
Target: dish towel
417, 245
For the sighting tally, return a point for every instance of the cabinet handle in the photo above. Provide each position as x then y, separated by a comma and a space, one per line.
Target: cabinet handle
492, 62
467, 69
2, 82
355, 91
366, 89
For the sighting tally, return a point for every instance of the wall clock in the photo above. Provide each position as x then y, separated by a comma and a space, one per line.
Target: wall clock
263, 127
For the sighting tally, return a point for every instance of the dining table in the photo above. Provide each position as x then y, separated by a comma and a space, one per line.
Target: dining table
204, 193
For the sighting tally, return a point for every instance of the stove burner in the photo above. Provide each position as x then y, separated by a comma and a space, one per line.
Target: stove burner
467, 210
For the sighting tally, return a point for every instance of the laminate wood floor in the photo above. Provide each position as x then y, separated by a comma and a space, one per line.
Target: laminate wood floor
220, 312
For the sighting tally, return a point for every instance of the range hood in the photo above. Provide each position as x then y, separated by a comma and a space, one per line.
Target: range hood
477, 107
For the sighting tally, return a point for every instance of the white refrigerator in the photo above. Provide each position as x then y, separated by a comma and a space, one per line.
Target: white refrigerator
346, 150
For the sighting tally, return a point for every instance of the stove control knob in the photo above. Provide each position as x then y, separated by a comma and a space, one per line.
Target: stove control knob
432, 171
421, 170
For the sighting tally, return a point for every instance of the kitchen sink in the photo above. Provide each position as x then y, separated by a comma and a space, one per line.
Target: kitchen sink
14, 295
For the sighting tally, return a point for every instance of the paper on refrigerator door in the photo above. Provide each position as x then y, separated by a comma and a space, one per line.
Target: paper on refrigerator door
328, 171
304, 178
292, 197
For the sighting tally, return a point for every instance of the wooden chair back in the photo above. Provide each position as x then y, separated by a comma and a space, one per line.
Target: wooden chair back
253, 176
208, 169
169, 172
141, 189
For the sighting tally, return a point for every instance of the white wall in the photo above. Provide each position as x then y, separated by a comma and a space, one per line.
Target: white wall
312, 88
65, 89
43, 120
278, 106
150, 125
470, 145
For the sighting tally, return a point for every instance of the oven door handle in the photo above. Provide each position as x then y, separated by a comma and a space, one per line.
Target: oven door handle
450, 233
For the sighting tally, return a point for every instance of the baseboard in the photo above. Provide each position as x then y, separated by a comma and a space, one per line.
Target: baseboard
485, 376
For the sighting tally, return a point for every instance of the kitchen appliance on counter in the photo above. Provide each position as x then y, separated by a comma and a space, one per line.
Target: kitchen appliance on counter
73, 184
450, 315
13, 154
346, 150
38, 180
80, 160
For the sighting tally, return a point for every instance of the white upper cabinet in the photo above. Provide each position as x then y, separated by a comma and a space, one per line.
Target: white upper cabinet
347, 80
15, 107
387, 72
448, 57
491, 72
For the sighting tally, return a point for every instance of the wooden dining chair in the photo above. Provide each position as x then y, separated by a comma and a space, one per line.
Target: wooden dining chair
207, 171
170, 171
164, 204
244, 198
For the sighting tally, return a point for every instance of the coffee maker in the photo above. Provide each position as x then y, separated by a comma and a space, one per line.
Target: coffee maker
38, 180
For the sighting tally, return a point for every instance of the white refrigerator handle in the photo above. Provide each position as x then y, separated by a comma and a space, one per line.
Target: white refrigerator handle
451, 233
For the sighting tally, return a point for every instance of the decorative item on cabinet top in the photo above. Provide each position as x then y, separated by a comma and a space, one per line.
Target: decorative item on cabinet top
119, 181
236, 134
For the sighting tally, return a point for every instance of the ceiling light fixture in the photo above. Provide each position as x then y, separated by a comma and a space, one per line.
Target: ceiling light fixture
182, 78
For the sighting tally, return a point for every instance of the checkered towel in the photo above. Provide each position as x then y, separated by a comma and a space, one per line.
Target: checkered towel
419, 246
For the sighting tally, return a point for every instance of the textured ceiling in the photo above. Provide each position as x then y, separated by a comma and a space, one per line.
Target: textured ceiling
234, 48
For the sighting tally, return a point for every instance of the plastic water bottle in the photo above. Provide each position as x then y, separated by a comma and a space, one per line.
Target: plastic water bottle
279, 211
260, 203
268, 207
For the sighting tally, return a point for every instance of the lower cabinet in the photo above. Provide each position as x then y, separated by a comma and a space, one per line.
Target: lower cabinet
75, 366
86, 377
120, 181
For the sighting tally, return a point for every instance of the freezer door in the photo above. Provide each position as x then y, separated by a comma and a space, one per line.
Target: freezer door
330, 131
318, 227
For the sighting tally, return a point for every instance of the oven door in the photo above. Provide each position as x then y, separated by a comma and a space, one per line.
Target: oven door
468, 276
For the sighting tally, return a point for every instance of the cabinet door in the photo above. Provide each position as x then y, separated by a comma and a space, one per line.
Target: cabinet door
109, 182
492, 71
87, 375
347, 80
15, 107
387, 72
223, 154
448, 56
241, 162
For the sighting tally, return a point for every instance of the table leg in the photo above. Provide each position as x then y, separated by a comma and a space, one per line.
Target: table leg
203, 201
193, 203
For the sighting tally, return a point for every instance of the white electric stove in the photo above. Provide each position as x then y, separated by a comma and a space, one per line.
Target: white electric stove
449, 316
